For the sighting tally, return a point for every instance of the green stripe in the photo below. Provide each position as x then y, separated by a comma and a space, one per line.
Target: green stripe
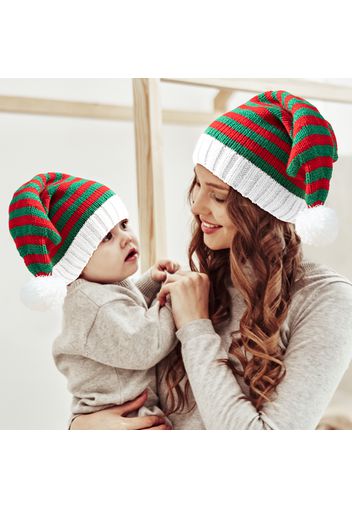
77, 204
262, 122
30, 184
307, 130
28, 211
68, 193
258, 138
307, 155
54, 186
283, 97
40, 267
306, 111
257, 161
273, 108
79, 224
294, 101
32, 249
324, 172
320, 195
23, 196
25, 231
263, 99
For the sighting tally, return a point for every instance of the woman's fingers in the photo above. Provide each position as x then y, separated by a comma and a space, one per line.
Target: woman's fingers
144, 422
162, 426
131, 406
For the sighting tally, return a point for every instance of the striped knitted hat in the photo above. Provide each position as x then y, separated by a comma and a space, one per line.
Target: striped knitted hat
57, 221
277, 150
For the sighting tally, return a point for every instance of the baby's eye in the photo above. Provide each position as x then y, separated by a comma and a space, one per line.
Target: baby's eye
107, 237
124, 224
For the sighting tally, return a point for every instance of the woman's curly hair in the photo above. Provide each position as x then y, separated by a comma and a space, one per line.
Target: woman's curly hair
273, 250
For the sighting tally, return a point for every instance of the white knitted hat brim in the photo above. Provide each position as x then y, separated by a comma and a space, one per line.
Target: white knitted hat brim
246, 178
108, 215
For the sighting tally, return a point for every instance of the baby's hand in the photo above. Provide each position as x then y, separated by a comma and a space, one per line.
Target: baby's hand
158, 270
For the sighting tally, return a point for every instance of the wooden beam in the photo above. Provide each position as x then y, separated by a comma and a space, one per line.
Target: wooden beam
150, 181
221, 100
76, 109
304, 88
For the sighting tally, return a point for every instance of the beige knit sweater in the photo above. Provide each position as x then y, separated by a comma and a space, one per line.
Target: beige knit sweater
111, 341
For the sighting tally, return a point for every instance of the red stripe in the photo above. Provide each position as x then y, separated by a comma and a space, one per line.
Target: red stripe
308, 142
299, 106
77, 193
268, 135
27, 221
269, 116
76, 216
318, 162
242, 139
36, 258
25, 190
318, 185
308, 120
23, 240
26, 202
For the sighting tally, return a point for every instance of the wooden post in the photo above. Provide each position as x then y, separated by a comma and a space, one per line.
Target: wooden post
150, 181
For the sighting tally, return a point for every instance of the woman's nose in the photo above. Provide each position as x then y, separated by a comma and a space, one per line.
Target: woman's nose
199, 205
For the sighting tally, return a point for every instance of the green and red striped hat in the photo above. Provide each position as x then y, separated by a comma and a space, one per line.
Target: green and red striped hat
277, 150
57, 221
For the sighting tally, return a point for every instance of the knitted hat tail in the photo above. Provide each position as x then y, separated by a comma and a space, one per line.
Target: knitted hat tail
30, 225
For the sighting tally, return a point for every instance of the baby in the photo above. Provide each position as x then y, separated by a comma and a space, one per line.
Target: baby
75, 237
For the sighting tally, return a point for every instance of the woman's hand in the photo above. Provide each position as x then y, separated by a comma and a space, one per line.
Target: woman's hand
114, 418
158, 269
189, 295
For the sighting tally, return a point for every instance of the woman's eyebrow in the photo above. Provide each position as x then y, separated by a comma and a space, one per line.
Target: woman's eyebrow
217, 186
210, 184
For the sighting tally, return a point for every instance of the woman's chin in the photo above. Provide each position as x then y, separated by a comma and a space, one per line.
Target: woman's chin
214, 246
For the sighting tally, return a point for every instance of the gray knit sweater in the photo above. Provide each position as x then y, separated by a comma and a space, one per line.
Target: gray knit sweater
317, 338
111, 341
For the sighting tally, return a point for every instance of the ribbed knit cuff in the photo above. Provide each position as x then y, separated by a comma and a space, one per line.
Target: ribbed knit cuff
249, 180
196, 328
147, 285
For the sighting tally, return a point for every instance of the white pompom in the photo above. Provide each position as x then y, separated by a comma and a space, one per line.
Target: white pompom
317, 226
44, 293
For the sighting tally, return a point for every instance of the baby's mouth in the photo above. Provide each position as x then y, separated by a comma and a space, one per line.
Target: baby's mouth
132, 255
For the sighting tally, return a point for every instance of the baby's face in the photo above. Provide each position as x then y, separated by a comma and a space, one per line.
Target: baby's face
116, 257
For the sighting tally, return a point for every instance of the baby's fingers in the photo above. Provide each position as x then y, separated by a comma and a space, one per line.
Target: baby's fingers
172, 267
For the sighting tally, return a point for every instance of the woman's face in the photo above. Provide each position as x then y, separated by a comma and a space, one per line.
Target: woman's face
209, 195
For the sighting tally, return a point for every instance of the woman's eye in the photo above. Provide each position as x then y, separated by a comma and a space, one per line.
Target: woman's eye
219, 200
107, 237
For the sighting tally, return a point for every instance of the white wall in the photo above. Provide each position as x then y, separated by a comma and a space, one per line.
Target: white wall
32, 393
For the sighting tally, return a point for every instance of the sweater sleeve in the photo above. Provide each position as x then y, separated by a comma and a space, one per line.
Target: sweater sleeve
317, 356
147, 286
126, 335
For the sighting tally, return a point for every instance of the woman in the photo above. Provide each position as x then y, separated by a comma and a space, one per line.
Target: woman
265, 336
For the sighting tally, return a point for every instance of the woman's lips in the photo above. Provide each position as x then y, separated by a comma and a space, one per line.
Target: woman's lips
208, 228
